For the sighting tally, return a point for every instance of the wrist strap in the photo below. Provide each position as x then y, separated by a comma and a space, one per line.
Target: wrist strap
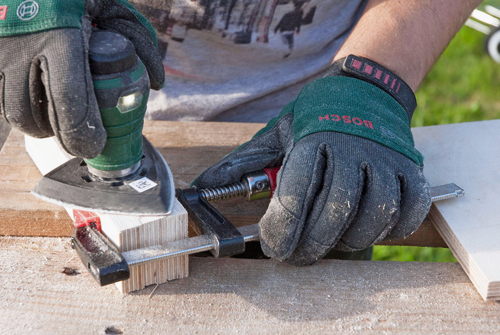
375, 74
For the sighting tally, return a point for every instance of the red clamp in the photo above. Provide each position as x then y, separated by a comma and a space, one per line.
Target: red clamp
86, 218
272, 174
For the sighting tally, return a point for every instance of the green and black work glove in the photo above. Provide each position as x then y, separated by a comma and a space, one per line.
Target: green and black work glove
350, 174
45, 82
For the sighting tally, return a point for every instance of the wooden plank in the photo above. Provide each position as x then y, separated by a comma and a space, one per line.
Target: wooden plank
469, 154
189, 148
21, 213
228, 296
127, 232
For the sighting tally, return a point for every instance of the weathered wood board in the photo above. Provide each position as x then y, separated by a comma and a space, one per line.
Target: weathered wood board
228, 296
127, 232
468, 154
130, 233
188, 147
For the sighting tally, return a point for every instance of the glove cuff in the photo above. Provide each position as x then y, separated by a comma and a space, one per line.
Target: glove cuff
18, 17
375, 74
355, 107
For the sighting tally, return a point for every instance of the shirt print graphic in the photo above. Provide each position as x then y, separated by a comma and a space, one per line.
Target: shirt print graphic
239, 21
220, 54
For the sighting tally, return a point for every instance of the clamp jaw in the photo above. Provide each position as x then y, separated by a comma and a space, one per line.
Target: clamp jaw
101, 258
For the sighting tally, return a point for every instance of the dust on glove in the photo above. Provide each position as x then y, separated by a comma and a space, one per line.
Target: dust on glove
350, 174
45, 82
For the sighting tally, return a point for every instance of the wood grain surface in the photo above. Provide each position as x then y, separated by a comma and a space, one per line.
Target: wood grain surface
188, 147
469, 155
228, 296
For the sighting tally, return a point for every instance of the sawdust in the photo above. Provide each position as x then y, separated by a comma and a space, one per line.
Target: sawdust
36, 243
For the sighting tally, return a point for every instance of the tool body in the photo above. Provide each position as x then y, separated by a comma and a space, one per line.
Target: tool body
217, 234
129, 176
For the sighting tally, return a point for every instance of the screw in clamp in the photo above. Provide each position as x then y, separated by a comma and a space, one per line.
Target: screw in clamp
253, 186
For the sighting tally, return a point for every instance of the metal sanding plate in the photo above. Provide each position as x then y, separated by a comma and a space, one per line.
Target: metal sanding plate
71, 185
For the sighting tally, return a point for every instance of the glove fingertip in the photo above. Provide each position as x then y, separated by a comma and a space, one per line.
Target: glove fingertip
86, 141
156, 79
150, 56
416, 203
156, 72
307, 253
279, 231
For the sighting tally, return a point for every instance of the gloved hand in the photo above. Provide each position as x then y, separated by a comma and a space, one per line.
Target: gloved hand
45, 82
350, 174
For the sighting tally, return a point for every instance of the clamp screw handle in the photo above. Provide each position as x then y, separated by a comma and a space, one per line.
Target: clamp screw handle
254, 185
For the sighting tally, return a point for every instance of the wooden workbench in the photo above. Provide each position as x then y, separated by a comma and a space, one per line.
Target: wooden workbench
221, 295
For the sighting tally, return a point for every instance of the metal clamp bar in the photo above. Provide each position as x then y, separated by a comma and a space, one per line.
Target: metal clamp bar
447, 191
187, 246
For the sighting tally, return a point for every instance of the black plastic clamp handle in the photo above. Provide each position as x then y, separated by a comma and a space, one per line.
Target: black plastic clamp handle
101, 257
209, 221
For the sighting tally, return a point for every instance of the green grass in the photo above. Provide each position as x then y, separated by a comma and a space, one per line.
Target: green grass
463, 86
408, 254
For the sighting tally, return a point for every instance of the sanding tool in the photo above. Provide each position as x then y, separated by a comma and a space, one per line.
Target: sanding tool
130, 176
216, 234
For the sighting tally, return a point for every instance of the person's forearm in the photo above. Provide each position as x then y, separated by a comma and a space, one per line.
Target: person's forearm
407, 36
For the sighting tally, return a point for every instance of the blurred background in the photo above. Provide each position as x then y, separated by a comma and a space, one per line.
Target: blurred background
463, 86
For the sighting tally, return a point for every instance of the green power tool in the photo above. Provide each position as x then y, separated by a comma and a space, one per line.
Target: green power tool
130, 176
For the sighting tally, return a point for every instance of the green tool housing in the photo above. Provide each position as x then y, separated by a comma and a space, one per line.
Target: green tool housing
121, 86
